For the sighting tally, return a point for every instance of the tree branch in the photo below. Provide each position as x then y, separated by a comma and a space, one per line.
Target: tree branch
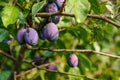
8, 56
18, 63
17, 4
82, 51
63, 6
55, 71
89, 16
105, 19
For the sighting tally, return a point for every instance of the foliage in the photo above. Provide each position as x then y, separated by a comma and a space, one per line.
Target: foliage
78, 32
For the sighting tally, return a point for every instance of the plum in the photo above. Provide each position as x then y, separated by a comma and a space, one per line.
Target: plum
37, 59
59, 3
52, 7
55, 19
72, 60
51, 32
41, 35
31, 36
20, 35
51, 66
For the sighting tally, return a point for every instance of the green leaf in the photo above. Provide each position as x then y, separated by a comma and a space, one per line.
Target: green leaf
36, 7
3, 34
78, 7
4, 47
9, 15
4, 75
95, 6
74, 70
84, 60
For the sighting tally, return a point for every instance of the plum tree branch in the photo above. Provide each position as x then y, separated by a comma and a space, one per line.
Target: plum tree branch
55, 71
105, 19
82, 51
72, 15
8, 56
18, 63
89, 16
63, 6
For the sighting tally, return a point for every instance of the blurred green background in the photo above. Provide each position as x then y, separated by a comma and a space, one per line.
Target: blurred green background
80, 32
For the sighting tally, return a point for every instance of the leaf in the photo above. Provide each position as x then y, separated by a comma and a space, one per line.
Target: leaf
84, 60
78, 7
95, 6
4, 47
36, 7
9, 15
3, 34
74, 70
4, 75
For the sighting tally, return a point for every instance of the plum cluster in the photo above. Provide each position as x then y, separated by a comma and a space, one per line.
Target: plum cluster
27, 35
52, 6
50, 30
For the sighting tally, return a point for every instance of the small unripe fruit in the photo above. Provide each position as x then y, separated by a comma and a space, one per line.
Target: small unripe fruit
51, 67
31, 36
20, 35
72, 60
51, 32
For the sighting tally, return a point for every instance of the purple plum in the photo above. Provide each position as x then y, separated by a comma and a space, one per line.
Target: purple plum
51, 67
72, 60
59, 3
51, 32
20, 35
31, 36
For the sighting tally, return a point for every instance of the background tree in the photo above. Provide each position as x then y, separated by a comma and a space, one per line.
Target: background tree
87, 29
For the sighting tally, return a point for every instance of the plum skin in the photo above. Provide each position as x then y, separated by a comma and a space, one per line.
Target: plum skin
72, 60
37, 59
51, 32
51, 66
31, 36
20, 35
41, 35
59, 3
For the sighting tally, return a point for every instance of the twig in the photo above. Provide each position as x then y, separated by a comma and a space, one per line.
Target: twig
7, 55
105, 19
89, 16
117, 15
55, 71
66, 73
16, 3
44, 14
82, 51
14, 75
63, 6
29, 70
